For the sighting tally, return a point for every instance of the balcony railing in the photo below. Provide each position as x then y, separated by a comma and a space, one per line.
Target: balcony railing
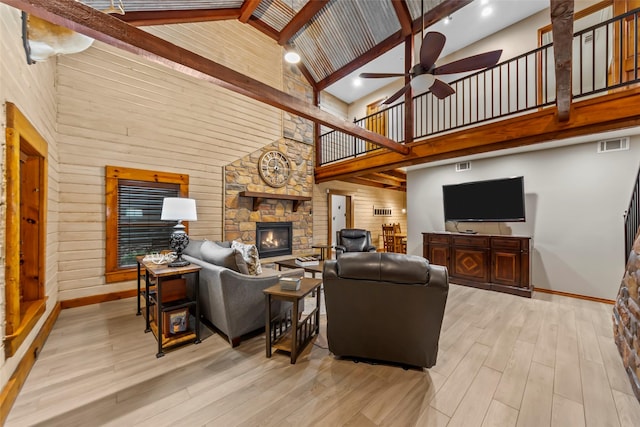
605, 57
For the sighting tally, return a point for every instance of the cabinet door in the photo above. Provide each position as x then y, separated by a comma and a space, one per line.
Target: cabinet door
470, 263
439, 255
506, 267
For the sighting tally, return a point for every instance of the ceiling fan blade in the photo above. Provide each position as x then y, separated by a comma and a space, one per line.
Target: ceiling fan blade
476, 62
441, 89
397, 95
380, 75
432, 46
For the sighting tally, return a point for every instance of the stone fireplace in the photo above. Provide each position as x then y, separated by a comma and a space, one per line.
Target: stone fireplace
274, 238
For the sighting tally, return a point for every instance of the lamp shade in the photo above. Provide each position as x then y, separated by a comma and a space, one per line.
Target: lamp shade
178, 209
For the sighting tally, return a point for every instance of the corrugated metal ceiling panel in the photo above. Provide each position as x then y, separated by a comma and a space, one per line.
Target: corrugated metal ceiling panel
151, 5
342, 31
278, 13
414, 6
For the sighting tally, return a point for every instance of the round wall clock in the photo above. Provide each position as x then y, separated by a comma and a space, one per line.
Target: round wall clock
274, 168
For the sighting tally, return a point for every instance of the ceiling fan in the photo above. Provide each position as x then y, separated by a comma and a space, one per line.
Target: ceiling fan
432, 45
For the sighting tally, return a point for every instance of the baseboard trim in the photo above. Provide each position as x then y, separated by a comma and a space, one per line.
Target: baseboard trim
12, 388
570, 295
96, 299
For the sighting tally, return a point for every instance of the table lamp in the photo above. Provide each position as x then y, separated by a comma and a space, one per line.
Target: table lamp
178, 209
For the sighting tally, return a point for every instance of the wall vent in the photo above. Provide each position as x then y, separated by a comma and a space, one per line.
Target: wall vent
615, 144
463, 166
381, 211
588, 38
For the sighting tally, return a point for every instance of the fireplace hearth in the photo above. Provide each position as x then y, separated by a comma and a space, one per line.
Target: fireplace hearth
274, 238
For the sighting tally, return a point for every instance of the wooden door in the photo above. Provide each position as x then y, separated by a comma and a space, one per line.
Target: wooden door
375, 122
30, 170
625, 52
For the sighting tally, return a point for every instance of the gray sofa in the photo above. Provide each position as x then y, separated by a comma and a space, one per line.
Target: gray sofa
231, 301
385, 306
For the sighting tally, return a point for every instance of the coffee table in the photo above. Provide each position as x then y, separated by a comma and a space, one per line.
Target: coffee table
291, 263
291, 333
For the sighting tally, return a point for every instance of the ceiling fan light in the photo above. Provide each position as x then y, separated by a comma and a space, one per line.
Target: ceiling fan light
292, 57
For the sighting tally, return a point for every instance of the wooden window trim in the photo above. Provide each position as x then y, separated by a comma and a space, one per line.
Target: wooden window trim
112, 174
22, 316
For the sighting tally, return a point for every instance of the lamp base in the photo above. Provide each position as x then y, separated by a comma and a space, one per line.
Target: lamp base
179, 263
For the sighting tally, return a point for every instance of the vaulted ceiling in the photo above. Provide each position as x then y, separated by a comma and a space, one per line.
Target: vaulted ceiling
334, 37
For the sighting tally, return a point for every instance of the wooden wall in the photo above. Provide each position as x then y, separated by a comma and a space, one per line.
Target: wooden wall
118, 109
32, 89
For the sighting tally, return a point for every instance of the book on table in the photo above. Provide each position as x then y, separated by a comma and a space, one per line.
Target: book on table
305, 261
290, 283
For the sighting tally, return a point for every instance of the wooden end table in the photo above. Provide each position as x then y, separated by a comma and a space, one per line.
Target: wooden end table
162, 308
292, 334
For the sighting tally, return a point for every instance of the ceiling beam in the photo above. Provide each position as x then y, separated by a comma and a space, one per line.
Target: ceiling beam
264, 28
377, 177
360, 181
442, 10
164, 17
562, 29
104, 27
600, 114
404, 16
247, 9
300, 19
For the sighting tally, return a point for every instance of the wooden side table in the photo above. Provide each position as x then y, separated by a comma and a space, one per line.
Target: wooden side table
162, 309
291, 334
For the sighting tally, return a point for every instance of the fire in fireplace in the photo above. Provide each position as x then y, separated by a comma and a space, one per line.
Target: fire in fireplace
273, 238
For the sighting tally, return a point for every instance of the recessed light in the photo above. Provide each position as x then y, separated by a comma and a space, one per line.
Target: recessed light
447, 20
357, 82
487, 11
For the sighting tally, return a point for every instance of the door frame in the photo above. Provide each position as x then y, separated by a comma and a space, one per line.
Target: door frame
350, 203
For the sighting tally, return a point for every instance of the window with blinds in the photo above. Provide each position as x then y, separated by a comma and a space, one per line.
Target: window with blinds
140, 230
133, 201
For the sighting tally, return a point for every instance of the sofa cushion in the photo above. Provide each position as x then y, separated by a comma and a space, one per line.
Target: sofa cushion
225, 244
250, 255
193, 248
223, 257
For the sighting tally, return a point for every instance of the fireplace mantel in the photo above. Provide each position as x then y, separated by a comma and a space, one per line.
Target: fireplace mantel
259, 197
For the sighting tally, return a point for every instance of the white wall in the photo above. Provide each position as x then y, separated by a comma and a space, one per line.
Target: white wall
575, 201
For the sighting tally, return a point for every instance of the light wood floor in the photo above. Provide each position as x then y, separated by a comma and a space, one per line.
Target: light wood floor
503, 361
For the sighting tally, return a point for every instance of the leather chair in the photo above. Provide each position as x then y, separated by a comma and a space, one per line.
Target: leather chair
354, 240
385, 306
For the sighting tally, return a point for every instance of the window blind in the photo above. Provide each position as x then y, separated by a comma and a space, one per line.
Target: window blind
140, 230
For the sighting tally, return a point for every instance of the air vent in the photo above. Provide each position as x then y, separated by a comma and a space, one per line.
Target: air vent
588, 38
616, 144
463, 166
381, 211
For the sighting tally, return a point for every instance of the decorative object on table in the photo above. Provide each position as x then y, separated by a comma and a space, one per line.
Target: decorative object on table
178, 209
176, 321
290, 283
274, 168
160, 259
305, 261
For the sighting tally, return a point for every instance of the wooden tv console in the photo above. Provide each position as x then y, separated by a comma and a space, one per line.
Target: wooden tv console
499, 263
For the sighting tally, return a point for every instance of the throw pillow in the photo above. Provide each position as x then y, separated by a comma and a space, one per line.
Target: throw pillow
223, 257
250, 255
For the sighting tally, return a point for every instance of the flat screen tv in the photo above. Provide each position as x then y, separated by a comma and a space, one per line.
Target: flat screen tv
496, 200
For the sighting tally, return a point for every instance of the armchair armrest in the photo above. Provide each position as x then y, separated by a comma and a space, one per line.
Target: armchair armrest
340, 248
371, 248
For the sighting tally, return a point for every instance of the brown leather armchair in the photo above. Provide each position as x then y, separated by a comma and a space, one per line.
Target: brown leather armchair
354, 240
385, 306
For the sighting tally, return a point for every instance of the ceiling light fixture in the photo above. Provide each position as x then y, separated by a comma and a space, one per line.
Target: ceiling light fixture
487, 11
357, 82
292, 56
447, 20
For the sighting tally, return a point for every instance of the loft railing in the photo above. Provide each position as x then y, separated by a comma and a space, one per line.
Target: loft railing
605, 57
632, 218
